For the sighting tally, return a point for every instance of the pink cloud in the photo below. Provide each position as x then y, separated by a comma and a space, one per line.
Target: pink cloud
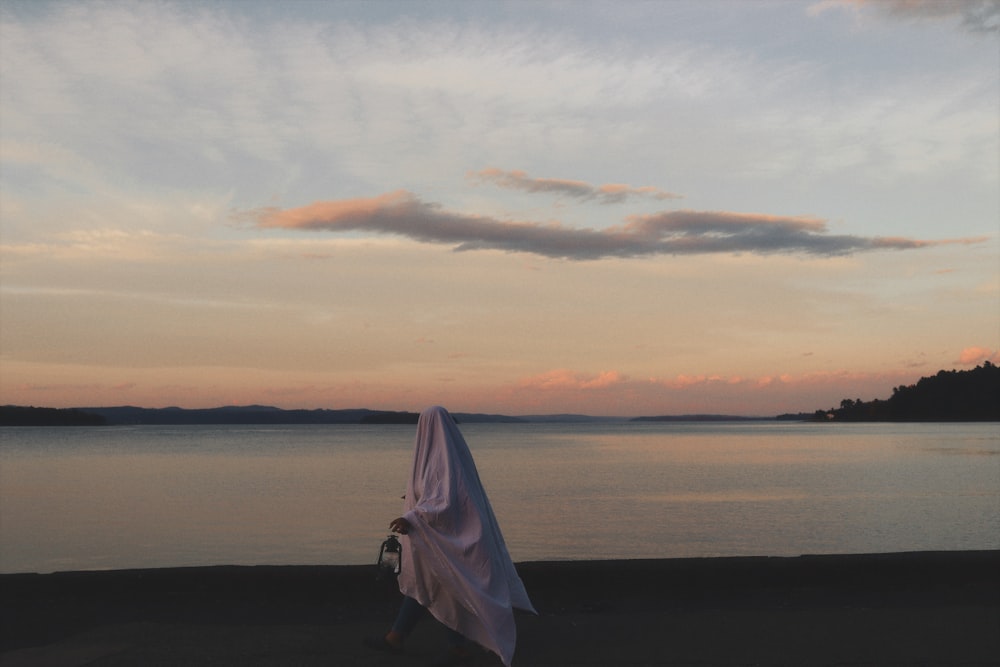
683, 381
619, 190
828, 378
344, 213
565, 379
971, 356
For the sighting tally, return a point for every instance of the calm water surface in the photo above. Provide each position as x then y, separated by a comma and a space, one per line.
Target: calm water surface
123, 497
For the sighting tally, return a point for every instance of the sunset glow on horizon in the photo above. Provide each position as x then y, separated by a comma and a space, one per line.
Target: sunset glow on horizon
619, 209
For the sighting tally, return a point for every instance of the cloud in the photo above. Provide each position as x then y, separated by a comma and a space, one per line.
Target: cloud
676, 232
611, 193
683, 381
563, 379
975, 15
974, 355
570, 389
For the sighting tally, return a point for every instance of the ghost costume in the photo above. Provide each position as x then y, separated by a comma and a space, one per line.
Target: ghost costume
455, 560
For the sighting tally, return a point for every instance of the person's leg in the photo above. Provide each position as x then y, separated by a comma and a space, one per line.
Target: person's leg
410, 613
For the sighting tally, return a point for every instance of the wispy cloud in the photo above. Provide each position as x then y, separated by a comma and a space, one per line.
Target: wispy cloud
673, 232
975, 15
611, 193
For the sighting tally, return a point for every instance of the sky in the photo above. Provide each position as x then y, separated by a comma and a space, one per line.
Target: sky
611, 208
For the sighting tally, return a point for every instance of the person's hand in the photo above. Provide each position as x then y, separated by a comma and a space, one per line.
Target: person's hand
400, 525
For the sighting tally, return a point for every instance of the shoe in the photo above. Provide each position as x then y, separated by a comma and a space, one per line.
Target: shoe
380, 644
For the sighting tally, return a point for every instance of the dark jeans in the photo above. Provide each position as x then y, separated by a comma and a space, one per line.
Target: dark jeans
410, 613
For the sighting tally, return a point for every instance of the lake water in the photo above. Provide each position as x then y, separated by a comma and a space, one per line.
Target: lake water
152, 496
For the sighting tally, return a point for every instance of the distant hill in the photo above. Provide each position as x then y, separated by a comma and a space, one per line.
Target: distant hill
247, 414
701, 418
569, 418
460, 417
15, 415
239, 415
972, 395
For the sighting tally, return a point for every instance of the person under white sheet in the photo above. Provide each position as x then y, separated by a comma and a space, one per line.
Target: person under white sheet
455, 562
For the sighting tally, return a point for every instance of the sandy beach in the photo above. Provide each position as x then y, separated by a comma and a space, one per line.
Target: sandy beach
940, 608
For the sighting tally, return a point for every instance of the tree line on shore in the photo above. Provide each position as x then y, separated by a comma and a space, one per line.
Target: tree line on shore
972, 395
16, 415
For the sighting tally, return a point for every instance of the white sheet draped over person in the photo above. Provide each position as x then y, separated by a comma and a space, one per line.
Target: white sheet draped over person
455, 560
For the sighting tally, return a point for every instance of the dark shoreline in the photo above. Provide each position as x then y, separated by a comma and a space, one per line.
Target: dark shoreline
839, 609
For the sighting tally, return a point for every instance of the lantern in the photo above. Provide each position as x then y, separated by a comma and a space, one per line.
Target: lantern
390, 557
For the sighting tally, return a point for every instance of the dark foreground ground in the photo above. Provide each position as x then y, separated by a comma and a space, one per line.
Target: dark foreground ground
885, 610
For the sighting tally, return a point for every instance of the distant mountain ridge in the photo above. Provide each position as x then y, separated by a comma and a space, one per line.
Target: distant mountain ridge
265, 414
230, 414
128, 415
